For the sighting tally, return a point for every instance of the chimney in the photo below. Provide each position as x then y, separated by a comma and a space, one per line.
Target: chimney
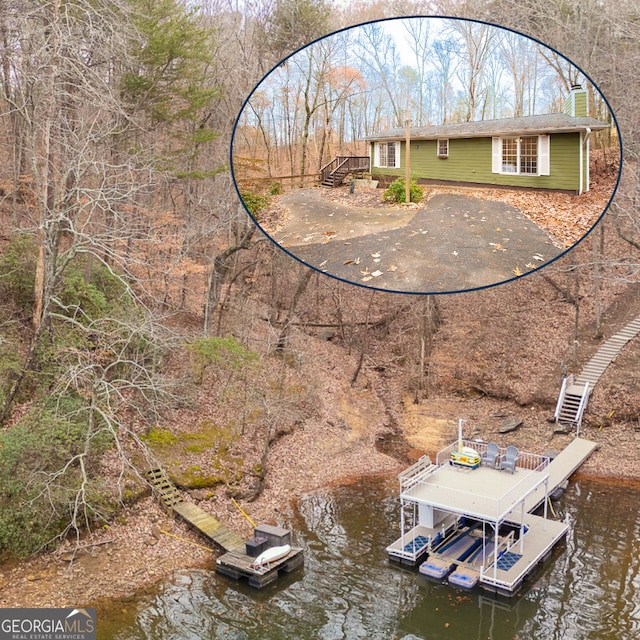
576, 104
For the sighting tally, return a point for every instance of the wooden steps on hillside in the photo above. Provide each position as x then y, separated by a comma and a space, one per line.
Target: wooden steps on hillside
574, 393
607, 353
164, 488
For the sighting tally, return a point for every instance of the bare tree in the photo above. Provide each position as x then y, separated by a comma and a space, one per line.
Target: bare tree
380, 56
477, 44
445, 63
418, 32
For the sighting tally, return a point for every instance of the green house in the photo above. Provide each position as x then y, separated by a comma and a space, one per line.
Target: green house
543, 151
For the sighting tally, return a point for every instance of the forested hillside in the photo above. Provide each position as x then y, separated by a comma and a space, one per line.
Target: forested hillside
145, 319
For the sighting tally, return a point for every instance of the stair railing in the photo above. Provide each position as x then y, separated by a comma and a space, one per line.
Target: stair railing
342, 161
328, 169
581, 407
351, 163
566, 382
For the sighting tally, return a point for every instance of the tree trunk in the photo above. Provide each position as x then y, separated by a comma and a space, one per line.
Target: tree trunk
429, 324
218, 273
283, 338
365, 340
29, 364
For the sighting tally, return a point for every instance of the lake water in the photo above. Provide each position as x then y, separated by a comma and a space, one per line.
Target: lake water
588, 589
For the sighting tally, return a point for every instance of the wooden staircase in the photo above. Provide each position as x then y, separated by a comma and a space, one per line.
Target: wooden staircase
334, 172
607, 353
164, 488
574, 393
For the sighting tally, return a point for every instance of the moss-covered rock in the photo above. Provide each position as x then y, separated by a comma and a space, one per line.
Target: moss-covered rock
177, 452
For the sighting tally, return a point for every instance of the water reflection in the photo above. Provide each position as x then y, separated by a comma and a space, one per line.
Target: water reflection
588, 590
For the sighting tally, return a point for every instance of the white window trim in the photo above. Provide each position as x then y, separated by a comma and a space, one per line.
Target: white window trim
376, 154
542, 163
442, 155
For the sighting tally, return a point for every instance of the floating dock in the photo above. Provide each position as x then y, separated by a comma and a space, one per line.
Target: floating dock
239, 563
444, 505
239, 557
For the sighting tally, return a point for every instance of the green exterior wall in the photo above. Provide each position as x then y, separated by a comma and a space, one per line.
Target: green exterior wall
576, 104
580, 102
470, 161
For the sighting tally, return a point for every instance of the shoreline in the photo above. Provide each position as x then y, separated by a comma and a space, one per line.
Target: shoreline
146, 545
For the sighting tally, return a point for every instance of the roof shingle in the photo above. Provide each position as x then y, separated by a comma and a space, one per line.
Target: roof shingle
523, 125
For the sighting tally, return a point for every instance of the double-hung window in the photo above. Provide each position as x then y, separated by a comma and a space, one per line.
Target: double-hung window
443, 148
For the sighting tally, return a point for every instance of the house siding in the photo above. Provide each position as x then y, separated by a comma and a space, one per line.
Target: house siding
469, 160
577, 104
580, 104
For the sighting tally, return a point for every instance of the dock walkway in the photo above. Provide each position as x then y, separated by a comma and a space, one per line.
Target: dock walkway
209, 526
606, 354
191, 513
561, 468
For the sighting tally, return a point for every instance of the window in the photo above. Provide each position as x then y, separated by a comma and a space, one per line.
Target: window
524, 155
509, 155
387, 155
443, 148
529, 155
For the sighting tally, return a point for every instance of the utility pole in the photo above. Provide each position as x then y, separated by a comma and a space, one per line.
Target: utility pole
407, 155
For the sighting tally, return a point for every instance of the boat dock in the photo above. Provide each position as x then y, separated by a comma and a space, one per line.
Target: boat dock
240, 555
238, 563
199, 519
513, 567
477, 519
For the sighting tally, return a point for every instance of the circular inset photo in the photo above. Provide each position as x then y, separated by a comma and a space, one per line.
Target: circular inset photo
426, 155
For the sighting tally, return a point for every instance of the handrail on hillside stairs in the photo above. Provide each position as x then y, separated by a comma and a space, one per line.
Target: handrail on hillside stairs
581, 407
584, 398
566, 382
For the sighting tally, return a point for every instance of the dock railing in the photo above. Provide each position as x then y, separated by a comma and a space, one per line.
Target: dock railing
526, 459
496, 507
416, 473
582, 406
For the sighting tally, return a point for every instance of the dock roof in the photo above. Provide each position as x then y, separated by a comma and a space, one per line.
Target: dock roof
483, 493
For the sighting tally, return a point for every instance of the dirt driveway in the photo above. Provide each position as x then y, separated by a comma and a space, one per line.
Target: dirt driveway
454, 242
